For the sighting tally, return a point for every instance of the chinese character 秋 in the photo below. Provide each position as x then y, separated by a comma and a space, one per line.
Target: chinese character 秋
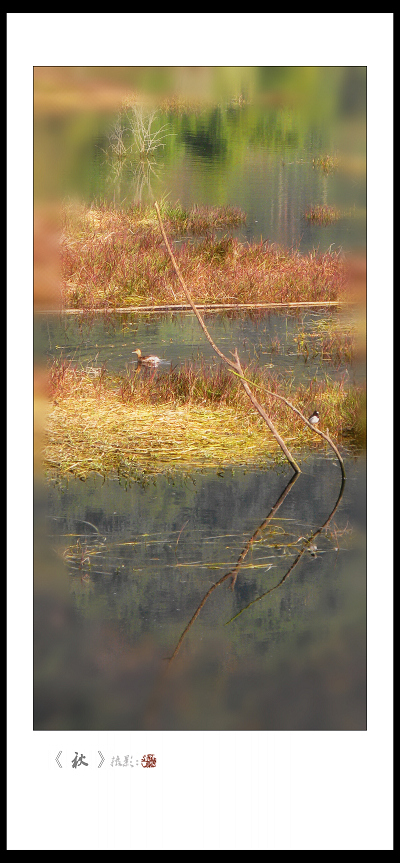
76, 762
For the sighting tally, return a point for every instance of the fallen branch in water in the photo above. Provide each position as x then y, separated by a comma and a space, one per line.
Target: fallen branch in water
183, 307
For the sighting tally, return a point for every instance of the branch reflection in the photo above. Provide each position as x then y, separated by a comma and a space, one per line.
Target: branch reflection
233, 573
153, 706
306, 546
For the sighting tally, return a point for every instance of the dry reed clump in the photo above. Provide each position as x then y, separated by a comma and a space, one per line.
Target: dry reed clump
115, 258
195, 384
322, 214
201, 219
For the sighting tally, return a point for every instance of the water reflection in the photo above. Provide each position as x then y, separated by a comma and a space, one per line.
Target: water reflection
307, 545
134, 139
262, 155
205, 137
233, 573
141, 559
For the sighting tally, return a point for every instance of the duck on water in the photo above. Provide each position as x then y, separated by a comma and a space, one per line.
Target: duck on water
149, 360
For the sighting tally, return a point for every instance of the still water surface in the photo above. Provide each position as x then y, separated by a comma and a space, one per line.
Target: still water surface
281, 646
274, 340
263, 158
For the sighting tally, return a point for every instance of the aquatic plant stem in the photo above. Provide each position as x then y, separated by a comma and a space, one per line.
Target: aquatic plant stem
233, 364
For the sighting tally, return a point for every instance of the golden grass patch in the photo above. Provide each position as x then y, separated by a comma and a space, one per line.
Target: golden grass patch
103, 435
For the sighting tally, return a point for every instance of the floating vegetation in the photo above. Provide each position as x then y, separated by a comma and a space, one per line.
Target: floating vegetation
326, 163
322, 214
336, 343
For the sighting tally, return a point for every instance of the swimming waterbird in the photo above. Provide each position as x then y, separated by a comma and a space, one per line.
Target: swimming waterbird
146, 360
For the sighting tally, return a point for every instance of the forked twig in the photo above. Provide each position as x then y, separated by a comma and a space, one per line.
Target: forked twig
325, 435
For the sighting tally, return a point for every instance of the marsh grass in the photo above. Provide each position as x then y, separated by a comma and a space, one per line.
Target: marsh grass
113, 258
189, 418
335, 342
327, 163
322, 214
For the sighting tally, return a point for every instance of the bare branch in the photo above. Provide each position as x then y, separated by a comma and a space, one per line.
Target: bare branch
325, 435
233, 364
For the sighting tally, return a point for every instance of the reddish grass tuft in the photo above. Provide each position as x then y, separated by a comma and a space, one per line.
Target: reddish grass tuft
113, 258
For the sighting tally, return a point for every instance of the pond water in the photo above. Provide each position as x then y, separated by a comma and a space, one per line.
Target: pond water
264, 155
274, 184
123, 568
194, 603
287, 343
148, 638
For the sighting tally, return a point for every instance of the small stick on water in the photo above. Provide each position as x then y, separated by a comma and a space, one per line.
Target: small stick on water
179, 534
